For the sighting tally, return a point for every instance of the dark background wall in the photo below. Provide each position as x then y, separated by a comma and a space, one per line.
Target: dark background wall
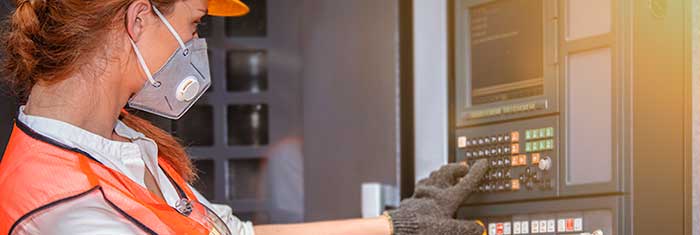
350, 102
8, 104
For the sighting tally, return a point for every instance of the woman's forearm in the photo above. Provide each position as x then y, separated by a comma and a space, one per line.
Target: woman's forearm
373, 226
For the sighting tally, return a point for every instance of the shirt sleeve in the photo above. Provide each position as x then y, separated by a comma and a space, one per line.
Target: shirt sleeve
89, 214
226, 214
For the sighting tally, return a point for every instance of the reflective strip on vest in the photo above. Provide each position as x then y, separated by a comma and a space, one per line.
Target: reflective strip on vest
37, 173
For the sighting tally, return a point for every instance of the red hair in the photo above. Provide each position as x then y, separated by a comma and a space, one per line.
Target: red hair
49, 40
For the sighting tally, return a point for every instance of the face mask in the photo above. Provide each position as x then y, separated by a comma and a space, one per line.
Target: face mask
181, 81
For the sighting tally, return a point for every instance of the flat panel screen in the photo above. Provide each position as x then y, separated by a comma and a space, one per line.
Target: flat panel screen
506, 51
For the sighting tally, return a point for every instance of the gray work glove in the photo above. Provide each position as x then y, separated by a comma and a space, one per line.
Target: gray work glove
436, 199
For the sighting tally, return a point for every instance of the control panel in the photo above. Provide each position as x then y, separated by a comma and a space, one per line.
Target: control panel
586, 216
523, 158
563, 223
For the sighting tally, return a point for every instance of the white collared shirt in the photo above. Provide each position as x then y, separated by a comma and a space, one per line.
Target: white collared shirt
91, 214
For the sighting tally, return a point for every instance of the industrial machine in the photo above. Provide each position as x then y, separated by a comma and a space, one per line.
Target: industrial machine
570, 102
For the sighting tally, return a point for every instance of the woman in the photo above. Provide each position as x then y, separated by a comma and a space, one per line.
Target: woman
77, 163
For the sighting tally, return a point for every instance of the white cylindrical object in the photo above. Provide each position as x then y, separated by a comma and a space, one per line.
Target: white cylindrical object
372, 200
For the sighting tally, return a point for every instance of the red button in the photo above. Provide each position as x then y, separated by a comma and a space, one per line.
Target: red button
569, 225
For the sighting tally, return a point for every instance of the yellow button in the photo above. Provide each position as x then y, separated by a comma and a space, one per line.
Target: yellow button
536, 158
515, 184
515, 136
515, 148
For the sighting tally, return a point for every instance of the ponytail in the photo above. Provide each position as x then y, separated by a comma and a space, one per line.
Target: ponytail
168, 147
21, 35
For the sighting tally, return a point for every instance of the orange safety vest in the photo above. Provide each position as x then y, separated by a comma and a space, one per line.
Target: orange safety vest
37, 173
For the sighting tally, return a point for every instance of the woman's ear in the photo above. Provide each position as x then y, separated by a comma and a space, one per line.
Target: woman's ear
137, 15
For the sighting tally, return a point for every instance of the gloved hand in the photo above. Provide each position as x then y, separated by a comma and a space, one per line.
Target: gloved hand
436, 199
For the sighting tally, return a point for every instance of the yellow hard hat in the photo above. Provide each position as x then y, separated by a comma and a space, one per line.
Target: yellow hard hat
227, 8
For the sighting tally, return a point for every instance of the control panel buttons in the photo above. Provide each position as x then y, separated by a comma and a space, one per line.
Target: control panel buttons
535, 227
515, 184
515, 148
551, 226
578, 224
569, 225
506, 228
545, 164
561, 225
536, 158
462, 142
543, 226
515, 136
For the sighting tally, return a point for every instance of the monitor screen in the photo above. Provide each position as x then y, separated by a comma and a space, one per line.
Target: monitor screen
506, 51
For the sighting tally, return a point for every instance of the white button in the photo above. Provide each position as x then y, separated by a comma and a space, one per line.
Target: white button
535, 227
462, 142
525, 227
506, 228
543, 226
516, 227
551, 226
492, 229
561, 225
545, 163
187, 89
578, 224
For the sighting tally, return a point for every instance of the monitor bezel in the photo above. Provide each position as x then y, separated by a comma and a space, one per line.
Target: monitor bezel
547, 103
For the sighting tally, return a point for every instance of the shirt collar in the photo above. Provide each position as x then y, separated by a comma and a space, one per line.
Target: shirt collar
77, 137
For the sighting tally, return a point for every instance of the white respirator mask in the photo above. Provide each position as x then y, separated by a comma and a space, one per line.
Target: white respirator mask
181, 81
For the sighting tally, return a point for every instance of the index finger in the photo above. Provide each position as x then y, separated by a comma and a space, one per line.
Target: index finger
467, 183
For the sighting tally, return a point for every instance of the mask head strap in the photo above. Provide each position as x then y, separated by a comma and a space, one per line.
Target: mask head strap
139, 56
185, 51
143, 64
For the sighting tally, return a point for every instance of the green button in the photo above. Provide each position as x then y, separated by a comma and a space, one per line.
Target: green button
550, 144
543, 133
543, 145
550, 132
528, 147
535, 134
535, 147
528, 134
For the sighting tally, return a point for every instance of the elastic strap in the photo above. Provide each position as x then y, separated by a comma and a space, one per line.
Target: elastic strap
171, 29
142, 62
